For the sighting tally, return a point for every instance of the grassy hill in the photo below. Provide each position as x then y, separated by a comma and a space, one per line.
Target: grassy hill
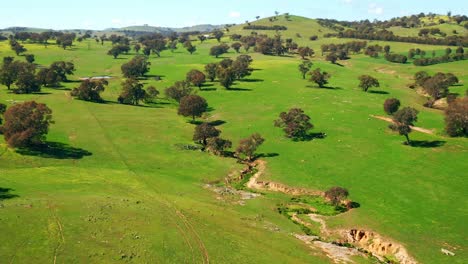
120, 189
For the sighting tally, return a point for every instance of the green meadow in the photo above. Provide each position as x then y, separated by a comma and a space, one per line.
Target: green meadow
121, 190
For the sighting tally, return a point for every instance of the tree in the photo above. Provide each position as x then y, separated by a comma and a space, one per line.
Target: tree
192, 105
295, 123
304, 68
116, 50
305, 52
90, 90
226, 76
403, 120
241, 66
137, 48
137, 67
151, 93
203, 132
26, 124
132, 92
456, 118
29, 58
201, 38
3, 108
61, 69
9, 71
179, 90
219, 50
387, 49
190, 48
320, 78
367, 81
173, 45
17, 48
336, 195
331, 57
210, 70
217, 145
248, 146
218, 34
196, 78
26, 81
236, 46
391, 105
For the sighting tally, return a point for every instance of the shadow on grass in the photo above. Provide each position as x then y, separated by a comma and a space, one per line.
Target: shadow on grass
378, 92
251, 80
311, 136
54, 150
217, 123
5, 194
239, 89
324, 87
267, 155
427, 144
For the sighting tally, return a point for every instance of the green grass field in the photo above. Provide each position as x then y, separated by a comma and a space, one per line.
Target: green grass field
121, 191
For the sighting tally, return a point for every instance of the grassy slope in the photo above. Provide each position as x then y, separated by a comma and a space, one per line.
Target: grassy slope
414, 195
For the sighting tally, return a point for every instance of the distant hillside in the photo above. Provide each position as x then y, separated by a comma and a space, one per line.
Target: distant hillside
147, 28
297, 26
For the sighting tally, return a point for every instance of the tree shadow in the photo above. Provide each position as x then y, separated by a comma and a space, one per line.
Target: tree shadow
427, 144
338, 64
5, 194
311, 136
54, 150
239, 89
378, 92
324, 87
251, 80
217, 123
267, 155
353, 205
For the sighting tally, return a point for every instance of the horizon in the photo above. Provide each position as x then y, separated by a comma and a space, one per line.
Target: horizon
96, 16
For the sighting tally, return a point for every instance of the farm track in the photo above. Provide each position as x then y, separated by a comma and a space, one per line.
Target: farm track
419, 129
184, 227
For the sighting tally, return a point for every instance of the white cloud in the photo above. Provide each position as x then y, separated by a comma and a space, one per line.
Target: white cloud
234, 14
348, 1
375, 9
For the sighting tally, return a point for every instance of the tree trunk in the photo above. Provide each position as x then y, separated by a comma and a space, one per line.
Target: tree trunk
407, 139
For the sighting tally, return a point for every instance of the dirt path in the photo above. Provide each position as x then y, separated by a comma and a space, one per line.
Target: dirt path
419, 129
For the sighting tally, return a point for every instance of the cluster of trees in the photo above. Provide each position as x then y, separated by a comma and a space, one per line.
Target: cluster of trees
56, 73
376, 30
118, 49
40, 38
433, 31
448, 57
90, 90
227, 70
132, 92
397, 58
65, 40
153, 43
353, 46
261, 27
219, 50
17, 47
137, 67
26, 124
23, 75
436, 86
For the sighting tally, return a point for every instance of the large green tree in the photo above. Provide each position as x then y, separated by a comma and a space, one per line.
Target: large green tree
26, 124
192, 105
132, 92
295, 123
403, 119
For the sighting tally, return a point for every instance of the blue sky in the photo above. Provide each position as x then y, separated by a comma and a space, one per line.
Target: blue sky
100, 14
